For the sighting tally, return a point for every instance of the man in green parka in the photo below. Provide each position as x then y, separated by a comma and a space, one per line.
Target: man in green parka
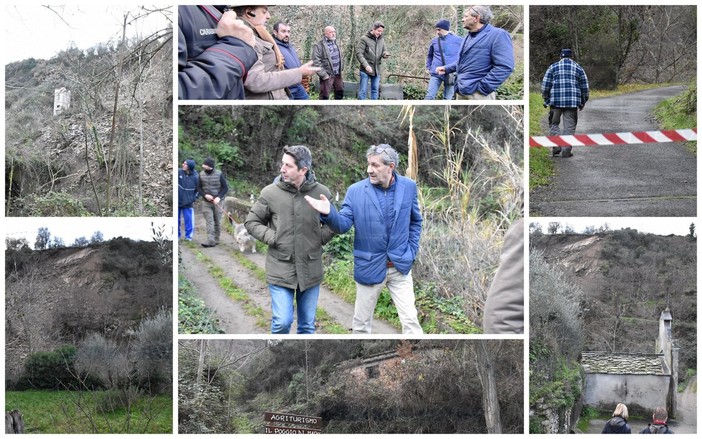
293, 231
370, 51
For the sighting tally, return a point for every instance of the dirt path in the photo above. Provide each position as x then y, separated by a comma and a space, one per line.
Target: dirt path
685, 421
231, 316
223, 257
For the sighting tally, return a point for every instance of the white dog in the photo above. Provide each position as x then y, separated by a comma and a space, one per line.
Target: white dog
244, 240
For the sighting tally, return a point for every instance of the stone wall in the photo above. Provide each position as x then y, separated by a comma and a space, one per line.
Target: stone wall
640, 392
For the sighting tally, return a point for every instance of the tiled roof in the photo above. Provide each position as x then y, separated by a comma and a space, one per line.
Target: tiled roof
622, 363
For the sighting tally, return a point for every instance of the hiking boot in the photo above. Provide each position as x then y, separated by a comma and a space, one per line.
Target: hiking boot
207, 245
555, 151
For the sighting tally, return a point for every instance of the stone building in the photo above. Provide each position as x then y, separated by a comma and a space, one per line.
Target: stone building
642, 381
62, 100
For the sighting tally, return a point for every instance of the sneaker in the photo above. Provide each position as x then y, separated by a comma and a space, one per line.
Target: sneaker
570, 154
555, 152
207, 245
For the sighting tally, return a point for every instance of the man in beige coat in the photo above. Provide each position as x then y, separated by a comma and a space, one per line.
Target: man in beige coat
504, 307
266, 80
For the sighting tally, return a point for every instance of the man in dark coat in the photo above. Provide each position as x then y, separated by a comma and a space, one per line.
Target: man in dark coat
212, 185
281, 33
215, 52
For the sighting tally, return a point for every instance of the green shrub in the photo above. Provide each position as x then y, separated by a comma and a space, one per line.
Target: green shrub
56, 204
50, 370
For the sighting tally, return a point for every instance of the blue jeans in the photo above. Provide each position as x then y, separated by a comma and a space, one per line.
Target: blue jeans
363, 85
282, 300
434, 84
298, 92
188, 222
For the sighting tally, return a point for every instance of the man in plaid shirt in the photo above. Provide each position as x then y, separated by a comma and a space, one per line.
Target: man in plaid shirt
565, 90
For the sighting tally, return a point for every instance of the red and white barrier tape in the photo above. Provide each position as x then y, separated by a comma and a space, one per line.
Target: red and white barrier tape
615, 138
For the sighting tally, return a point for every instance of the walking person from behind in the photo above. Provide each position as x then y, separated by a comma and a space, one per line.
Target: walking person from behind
618, 424
281, 33
443, 50
187, 194
295, 235
370, 52
384, 211
565, 90
327, 55
486, 58
659, 425
212, 186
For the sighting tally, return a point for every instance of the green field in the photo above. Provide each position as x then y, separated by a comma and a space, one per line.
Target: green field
79, 412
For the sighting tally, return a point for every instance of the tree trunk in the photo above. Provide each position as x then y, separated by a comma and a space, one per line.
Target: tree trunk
486, 353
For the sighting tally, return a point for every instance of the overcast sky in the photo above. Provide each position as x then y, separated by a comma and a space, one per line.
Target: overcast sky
35, 31
657, 226
138, 229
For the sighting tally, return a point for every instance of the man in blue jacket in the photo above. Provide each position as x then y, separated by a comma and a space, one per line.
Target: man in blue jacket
281, 33
486, 58
187, 194
385, 213
215, 52
442, 50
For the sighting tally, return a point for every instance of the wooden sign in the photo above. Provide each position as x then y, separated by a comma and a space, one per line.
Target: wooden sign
285, 423
289, 430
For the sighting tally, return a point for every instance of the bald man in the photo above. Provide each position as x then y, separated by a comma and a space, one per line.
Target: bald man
327, 55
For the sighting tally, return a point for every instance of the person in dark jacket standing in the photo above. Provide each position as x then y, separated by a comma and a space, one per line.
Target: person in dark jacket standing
213, 187
618, 424
384, 210
215, 53
327, 55
442, 50
370, 52
187, 194
281, 33
565, 90
295, 235
659, 425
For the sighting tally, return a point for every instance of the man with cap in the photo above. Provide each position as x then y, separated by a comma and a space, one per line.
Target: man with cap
565, 89
295, 235
370, 52
486, 57
442, 50
212, 186
187, 194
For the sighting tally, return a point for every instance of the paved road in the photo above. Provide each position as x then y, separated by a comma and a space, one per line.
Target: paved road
655, 179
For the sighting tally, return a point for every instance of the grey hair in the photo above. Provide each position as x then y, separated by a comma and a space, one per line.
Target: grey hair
484, 12
386, 152
301, 154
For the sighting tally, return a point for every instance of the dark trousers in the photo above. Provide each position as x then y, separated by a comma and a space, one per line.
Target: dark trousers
326, 85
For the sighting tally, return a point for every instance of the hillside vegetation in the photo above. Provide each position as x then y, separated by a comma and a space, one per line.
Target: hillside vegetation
109, 153
469, 171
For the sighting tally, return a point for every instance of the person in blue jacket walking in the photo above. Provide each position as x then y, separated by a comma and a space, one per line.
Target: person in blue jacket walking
187, 194
486, 58
384, 210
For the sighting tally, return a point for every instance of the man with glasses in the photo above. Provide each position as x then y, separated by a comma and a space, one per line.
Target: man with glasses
385, 213
282, 219
486, 58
